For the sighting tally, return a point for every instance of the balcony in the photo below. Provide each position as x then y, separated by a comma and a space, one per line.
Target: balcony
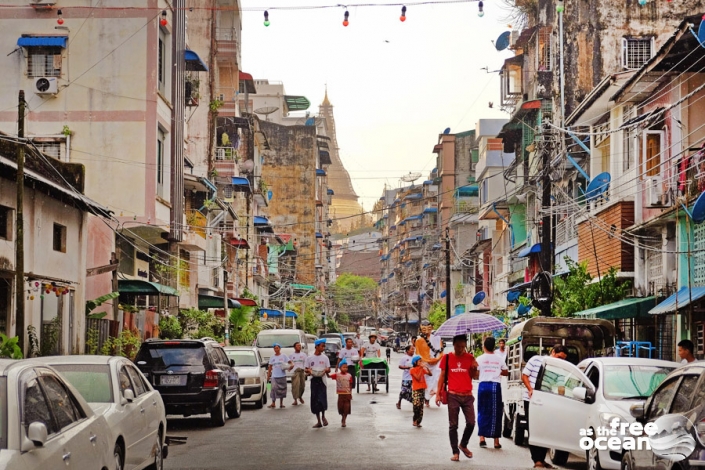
193, 241
259, 269
197, 223
511, 88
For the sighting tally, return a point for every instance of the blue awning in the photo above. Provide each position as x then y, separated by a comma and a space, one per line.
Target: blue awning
277, 313
320, 172
425, 266
430, 210
680, 299
428, 182
443, 295
383, 280
408, 239
393, 227
194, 63
384, 258
259, 220
208, 184
319, 235
385, 216
535, 248
391, 275
414, 196
42, 41
437, 246
330, 192
468, 191
408, 263
240, 181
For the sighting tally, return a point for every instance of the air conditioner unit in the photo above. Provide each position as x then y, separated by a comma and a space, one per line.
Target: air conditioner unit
513, 36
46, 86
654, 191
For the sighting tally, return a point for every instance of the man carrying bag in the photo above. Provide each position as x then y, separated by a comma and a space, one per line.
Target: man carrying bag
457, 371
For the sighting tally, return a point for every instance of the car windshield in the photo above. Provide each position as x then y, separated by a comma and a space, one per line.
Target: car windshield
91, 380
171, 355
285, 340
332, 346
243, 358
627, 382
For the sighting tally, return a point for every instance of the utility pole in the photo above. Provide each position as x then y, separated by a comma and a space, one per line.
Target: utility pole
19, 224
447, 273
227, 311
546, 226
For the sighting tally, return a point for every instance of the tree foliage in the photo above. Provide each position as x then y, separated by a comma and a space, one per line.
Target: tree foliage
200, 324
437, 314
244, 326
309, 311
352, 296
577, 291
170, 328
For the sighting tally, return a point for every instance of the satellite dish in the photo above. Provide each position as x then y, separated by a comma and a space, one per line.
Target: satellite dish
411, 177
513, 296
598, 186
446, 131
266, 111
502, 41
698, 212
701, 33
523, 310
479, 297
310, 122
247, 166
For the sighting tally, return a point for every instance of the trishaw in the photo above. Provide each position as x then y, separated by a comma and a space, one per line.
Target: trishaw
373, 371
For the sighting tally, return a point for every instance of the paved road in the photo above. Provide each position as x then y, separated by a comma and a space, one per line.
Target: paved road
377, 436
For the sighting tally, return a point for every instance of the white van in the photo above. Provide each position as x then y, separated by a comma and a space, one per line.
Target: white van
285, 338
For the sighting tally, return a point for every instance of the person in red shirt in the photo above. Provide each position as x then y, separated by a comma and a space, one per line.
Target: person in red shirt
418, 372
458, 369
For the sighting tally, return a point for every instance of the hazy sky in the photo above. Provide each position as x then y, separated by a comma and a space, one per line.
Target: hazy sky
394, 86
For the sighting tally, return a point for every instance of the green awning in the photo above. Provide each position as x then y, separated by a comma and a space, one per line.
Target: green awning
213, 301
627, 308
145, 288
302, 287
296, 103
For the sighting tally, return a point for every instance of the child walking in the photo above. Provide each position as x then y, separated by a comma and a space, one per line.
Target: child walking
343, 385
418, 371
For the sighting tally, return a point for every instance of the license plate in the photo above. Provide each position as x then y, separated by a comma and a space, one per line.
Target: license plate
172, 380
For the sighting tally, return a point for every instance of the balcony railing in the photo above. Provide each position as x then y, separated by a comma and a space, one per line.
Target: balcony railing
225, 153
566, 230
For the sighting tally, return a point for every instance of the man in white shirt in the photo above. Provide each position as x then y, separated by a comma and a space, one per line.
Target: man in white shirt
685, 351
528, 377
371, 349
319, 395
405, 366
489, 394
298, 378
502, 349
351, 356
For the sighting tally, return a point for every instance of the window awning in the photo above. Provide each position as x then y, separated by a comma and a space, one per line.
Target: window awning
239, 243
271, 313
42, 41
259, 220
468, 191
535, 248
213, 301
428, 182
138, 287
320, 172
414, 196
430, 210
680, 299
297, 103
246, 302
627, 308
330, 192
240, 183
249, 82
319, 235
194, 63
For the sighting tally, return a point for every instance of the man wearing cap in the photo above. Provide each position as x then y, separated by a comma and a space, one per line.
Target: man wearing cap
319, 396
350, 355
278, 365
371, 349
298, 377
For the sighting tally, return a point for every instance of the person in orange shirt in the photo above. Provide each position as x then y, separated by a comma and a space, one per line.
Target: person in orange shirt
419, 371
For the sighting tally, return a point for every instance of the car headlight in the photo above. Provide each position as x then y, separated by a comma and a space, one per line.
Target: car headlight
607, 418
252, 381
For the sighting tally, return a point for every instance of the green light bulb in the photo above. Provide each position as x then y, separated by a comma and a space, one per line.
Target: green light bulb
266, 23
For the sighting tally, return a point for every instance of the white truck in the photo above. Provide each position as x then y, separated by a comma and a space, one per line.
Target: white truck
583, 337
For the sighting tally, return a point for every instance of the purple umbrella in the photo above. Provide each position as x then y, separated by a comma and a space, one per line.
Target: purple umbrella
469, 323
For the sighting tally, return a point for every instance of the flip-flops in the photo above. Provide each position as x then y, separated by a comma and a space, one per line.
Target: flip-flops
466, 451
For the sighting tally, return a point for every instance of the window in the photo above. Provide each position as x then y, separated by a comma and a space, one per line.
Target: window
51, 149
5, 302
161, 140
59, 236
594, 376
628, 139
44, 62
653, 148
62, 405
544, 49
5, 223
161, 62
136, 381
661, 400
636, 52
681, 402
699, 338
36, 408
124, 381
559, 381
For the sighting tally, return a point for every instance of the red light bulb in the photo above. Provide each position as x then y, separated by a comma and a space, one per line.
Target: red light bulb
345, 21
402, 18
59, 20
163, 21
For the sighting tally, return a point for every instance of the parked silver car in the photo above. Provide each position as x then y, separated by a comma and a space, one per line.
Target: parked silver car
252, 371
46, 423
115, 388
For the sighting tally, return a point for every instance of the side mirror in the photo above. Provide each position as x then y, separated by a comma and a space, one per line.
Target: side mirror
637, 411
264, 365
128, 394
580, 393
232, 362
37, 433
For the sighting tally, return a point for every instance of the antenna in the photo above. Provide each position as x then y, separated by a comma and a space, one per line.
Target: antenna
266, 111
411, 177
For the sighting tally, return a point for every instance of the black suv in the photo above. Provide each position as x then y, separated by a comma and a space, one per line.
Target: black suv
193, 376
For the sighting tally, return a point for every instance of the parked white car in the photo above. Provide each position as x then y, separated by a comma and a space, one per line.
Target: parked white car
46, 423
116, 389
587, 397
252, 371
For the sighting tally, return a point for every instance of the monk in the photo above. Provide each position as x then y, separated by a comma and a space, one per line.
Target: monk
428, 346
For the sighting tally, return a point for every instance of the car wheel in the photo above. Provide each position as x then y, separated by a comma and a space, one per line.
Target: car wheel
218, 413
518, 432
259, 404
118, 457
593, 458
559, 457
507, 429
235, 408
626, 462
159, 455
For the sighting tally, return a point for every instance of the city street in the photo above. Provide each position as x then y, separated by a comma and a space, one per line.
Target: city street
377, 436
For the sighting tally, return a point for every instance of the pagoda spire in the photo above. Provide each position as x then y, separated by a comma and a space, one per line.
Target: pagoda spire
326, 101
